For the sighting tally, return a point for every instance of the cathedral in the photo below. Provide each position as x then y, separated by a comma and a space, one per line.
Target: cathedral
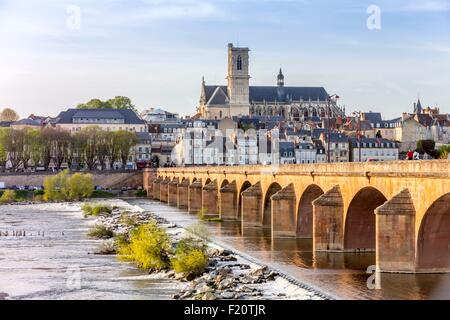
238, 98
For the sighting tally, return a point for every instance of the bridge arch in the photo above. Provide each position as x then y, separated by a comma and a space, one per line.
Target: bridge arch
433, 243
360, 222
207, 181
224, 183
245, 185
305, 211
267, 208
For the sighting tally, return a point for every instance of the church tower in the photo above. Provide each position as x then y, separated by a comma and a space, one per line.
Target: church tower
238, 80
280, 79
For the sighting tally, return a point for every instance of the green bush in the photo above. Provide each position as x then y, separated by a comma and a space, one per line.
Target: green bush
21, 194
102, 194
100, 231
79, 186
190, 257
95, 210
87, 209
38, 192
141, 193
127, 219
148, 247
8, 196
101, 209
64, 186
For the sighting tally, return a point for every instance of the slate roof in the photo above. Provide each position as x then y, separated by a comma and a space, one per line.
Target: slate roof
5, 124
101, 113
129, 116
219, 97
27, 122
377, 143
336, 137
144, 136
373, 117
286, 146
270, 94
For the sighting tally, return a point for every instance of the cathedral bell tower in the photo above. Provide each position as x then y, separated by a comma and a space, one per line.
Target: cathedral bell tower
280, 79
238, 80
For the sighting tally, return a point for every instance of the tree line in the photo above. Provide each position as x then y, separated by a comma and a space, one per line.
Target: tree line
88, 148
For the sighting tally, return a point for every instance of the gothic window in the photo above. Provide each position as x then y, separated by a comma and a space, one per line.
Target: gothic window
239, 63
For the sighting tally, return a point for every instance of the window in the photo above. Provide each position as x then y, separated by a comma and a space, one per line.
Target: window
239, 63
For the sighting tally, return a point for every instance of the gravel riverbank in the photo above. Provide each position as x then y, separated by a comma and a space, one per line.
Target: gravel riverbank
228, 275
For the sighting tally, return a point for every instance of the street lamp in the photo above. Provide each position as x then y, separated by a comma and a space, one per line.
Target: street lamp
358, 133
333, 97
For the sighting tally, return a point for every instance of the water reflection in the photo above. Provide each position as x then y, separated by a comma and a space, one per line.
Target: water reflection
342, 274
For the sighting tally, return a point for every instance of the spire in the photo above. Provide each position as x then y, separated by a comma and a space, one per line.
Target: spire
280, 79
203, 92
418, 107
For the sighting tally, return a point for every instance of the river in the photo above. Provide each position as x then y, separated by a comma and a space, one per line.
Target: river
55, 260
343, 276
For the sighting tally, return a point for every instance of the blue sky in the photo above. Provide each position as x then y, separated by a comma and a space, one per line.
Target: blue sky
156, 51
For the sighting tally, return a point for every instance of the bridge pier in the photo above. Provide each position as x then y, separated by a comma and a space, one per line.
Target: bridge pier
283, 213
149, 176
210, 199
328, 221
183, 194
156, 189
173, 193
195, 197
228, 202
395, 240
164, 190
252, 206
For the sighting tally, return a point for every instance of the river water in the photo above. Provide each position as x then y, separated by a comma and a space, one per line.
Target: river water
55, 260
341, 275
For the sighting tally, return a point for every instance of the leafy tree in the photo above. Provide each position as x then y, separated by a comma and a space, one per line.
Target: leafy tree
125, 141
118, 102
3, 152
428, 147
13, 143
103, 146
89, 140
79, 186
94, 104
444, 152
9, 115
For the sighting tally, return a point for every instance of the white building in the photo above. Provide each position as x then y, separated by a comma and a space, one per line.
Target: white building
305, 153
373, 150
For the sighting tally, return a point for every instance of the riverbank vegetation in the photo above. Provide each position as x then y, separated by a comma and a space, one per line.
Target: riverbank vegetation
95, 210
100, 231
149, 247
190, 257
67, 187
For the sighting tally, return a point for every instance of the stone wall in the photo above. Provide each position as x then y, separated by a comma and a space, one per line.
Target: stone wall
107, 180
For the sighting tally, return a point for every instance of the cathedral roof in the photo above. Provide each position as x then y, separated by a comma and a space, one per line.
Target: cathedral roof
287, 94
269, 94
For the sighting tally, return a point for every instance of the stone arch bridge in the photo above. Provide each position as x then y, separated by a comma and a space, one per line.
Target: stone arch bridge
400, 210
